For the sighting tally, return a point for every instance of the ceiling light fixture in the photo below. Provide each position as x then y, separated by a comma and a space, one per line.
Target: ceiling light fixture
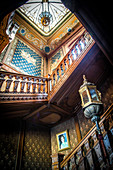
45, 18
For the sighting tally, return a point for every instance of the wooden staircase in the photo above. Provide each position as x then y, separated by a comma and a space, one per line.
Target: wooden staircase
88, 152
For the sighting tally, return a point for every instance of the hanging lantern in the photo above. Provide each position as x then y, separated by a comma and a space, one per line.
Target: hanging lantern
45, 18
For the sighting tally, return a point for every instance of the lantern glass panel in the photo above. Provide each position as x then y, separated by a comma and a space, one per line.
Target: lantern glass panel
85, 97
93, 94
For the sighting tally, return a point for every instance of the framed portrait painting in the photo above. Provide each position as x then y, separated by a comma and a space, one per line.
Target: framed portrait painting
63, 140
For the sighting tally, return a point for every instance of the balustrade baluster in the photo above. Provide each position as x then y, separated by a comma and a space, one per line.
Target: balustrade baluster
80, 159
70, 61
88, 156
79, 45
73, 54
1, 80
78, 50
44, 85
65, 64
107, 144
8, 83
93, 141
62, 70
87, 37
34, 85
23, 85
58, 76
29, 84
39, 85
73, 163
49, 84
66, 167
108, 127
16, 83
82, 43
54, 81
94, 136
98, 150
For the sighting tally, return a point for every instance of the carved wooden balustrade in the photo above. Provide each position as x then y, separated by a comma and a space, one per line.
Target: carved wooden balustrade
18, 87
70, 62
88, 153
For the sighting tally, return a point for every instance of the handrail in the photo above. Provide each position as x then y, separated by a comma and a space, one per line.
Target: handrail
20, 74
17, 87
86, 137
70, 62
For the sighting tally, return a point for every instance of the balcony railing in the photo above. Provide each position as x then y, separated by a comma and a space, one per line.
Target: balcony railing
70, 62
88, 154
19, 87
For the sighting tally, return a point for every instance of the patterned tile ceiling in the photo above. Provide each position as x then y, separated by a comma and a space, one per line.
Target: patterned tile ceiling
33, 9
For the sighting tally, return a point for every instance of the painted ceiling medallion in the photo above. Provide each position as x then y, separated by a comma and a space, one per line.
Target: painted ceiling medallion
44, 15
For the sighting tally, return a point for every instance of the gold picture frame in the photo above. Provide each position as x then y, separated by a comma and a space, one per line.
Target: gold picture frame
63, 140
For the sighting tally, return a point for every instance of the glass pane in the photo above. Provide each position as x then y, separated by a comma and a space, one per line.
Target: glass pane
93, 94
85, 97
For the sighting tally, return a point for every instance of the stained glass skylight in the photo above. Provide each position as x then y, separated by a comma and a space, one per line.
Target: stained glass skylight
33, 9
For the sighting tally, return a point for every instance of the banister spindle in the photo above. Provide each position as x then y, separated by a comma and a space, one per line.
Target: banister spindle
44, 85
29, 84
88, 155
96, 164
39, 85
65, 64
23, 84
78, 50
74, 54
16, 83
82, 42
73, 163
87, 37
69, 59
66, 166
58, 76
8, 83
62, 70
49, 84
34, 85
54, 80
80, 159
79, 45
1, 80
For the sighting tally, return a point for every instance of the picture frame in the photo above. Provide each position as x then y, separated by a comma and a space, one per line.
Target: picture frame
63, 140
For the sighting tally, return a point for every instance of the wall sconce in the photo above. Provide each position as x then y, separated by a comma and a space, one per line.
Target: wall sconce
91, 100
93, 108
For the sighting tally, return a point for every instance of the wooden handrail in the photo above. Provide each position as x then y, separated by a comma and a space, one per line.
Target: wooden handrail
69, 51
70, 62
20, 87
86, 137
24, 75
17, 83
